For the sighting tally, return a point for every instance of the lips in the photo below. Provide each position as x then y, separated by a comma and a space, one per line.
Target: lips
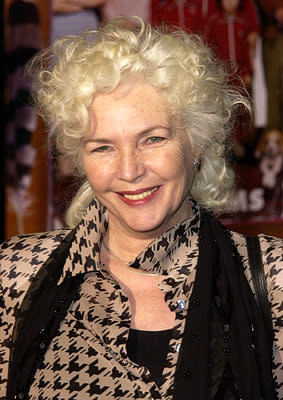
141, 195
138, 191
138, 197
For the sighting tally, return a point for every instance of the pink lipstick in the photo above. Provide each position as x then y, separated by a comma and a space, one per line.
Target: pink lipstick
139, 197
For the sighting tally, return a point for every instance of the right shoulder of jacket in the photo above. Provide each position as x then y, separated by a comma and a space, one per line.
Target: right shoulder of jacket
20, 259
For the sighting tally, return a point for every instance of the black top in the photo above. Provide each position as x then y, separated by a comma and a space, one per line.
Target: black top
149, 348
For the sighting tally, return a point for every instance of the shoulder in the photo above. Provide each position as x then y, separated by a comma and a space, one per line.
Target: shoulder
272, 258
28, 240
215, 17
22, 256
30, 249
271, 253
20, 259
242, 20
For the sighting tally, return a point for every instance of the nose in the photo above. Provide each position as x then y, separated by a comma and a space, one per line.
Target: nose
131, 166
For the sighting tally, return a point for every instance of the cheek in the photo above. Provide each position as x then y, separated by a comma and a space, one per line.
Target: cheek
183, 160
99, 174
169, 163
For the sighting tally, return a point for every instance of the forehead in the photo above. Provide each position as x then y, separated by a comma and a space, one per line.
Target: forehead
137, 96
129, 104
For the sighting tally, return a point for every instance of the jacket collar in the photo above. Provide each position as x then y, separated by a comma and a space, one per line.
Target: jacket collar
166, 252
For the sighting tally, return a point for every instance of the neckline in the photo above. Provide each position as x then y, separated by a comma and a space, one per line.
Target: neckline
161, 257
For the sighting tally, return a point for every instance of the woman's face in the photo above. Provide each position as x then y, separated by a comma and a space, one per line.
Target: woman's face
137, 164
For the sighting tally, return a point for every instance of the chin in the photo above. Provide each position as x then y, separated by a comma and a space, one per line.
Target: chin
147, 224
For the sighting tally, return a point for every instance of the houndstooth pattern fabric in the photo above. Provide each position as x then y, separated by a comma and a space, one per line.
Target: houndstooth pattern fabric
87, 358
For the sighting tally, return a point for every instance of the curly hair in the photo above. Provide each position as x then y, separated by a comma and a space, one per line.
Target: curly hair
179, 65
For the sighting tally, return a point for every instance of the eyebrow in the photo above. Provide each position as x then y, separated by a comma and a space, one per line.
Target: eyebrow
140, 135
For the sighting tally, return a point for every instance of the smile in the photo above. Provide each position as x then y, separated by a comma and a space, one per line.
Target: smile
140, 196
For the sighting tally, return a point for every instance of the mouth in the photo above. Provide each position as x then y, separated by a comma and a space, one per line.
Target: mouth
138, 197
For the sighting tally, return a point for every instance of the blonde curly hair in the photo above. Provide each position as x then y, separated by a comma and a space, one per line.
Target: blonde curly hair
180, 65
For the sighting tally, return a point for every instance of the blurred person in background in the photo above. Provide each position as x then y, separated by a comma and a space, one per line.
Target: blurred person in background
231, 35
185, 14
228, 31
209, 7
192, 15
126, 8
69, 17
72, 16
23, 41
271, 13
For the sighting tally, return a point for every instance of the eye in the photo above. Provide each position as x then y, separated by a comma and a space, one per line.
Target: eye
154, 139
102, 149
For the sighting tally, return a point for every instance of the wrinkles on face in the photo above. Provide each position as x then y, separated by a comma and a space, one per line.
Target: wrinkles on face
133, 147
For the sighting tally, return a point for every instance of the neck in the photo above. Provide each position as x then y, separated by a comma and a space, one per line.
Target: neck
128, 244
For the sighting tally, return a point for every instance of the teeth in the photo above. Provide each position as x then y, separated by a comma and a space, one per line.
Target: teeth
140, 196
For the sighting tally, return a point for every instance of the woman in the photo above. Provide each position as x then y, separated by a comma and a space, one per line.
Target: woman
147, 295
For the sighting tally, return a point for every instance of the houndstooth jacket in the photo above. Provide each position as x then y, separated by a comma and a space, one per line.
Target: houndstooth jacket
87, 357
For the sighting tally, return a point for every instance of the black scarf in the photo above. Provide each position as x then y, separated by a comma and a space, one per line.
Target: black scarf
247, 352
